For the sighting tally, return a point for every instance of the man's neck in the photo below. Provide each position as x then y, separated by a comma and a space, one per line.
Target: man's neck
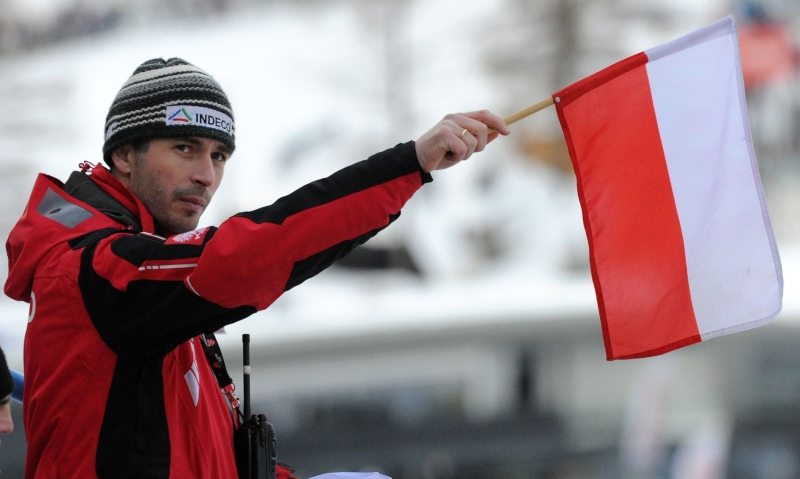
122, 178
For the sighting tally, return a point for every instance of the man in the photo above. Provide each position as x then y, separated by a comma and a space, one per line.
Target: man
119, 357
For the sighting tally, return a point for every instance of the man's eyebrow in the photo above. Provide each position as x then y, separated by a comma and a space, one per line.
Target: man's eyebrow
5, 400
225, 149
188, 139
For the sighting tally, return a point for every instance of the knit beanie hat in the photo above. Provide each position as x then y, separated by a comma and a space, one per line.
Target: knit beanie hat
168, 99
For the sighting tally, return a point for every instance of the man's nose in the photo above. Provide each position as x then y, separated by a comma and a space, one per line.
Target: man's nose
203, 173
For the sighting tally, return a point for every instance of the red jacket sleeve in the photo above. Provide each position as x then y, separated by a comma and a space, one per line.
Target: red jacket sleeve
256, 256
196, 282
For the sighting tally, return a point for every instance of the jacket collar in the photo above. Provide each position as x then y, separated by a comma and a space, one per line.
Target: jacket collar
111, 185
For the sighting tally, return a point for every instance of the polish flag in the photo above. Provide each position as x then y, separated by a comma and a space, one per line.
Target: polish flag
681, 245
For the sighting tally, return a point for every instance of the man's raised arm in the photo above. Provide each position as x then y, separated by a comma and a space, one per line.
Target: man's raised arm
196, 282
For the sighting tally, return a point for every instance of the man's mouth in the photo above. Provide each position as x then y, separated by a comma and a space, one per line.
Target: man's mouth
194, 203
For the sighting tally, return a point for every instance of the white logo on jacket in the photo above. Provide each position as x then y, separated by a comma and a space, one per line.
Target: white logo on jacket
32, 308
192, 377
195, 236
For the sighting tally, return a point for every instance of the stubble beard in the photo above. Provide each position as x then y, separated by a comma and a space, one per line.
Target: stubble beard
158, 201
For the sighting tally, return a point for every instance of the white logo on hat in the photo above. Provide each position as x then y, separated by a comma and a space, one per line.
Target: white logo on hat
199, 116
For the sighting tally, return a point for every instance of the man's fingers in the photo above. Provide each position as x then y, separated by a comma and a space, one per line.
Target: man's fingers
479, 131
490, 120
472, 143
456, 137
479, 122
458, 147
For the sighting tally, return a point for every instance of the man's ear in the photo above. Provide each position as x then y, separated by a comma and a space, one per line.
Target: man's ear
123, 158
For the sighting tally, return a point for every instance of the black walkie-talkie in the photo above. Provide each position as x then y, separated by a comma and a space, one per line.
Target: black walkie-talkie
254, 441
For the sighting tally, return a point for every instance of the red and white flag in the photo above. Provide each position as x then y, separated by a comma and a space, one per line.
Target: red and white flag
681, 245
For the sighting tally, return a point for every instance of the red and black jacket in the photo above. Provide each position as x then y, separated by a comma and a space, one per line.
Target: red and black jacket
116, 382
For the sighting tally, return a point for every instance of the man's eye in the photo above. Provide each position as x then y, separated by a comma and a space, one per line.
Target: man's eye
219, 157
183, 148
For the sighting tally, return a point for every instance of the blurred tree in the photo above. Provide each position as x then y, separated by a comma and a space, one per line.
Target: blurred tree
539, 47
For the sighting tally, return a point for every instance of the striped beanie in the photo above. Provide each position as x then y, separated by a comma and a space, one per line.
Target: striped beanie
168, 99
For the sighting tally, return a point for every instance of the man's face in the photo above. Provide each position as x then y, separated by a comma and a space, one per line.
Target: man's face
174, 178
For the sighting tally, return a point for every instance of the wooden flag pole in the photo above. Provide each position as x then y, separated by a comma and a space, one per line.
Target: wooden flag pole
526, 112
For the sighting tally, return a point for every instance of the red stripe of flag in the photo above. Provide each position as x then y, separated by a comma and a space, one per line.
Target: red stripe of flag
630, 216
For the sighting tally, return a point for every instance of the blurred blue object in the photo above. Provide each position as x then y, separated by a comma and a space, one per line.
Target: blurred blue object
19, 385
753, 11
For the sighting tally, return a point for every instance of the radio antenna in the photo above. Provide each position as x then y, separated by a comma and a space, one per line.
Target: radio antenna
246, 375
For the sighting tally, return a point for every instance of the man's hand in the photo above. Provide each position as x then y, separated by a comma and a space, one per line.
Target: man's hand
456, 137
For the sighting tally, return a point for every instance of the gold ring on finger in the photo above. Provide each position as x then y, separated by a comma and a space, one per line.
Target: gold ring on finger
463, 132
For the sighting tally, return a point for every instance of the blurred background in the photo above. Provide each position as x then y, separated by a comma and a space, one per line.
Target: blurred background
463, 342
